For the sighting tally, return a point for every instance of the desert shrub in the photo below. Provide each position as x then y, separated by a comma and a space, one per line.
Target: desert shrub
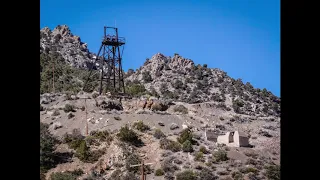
62, 176
136, 90
95, 95
82, 108
199, 157
186, 175
180, 108
146, 76
236, 175
153, 92
141, 126
188, 80
74, 139
68, 175
247, 170
220, 155
56, 112
133, 159
102, 135
170, 95
116, 175
170, 145
251, 161
69, 108
159, 172
117, 118
206, 174
163, 88
95, 155
252, 154
128, 135
177, 84
185, 135
273, 172
70, 115
82, 151
158, 134
203, 150
168, 166
187, 146
47, 142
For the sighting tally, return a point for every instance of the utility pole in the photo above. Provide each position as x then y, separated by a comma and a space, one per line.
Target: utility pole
143, 177
86, 117
87, 124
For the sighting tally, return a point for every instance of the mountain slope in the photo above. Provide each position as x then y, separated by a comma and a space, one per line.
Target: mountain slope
174, 77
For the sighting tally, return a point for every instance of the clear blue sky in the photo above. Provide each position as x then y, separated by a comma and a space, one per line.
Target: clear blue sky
241, 37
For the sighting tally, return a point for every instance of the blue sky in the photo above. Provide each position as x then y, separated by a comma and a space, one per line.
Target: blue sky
241, 37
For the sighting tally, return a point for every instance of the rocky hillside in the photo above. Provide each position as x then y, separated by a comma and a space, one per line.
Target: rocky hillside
180, 79
60, 40
174, 77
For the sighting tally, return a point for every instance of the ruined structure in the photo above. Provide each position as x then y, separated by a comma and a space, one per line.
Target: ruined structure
234, 139
210, 135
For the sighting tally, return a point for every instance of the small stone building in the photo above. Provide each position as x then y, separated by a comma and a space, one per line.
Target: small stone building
210, 135
234, 139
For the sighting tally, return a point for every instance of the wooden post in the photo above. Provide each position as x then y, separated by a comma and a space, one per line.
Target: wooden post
87, 128
143, 177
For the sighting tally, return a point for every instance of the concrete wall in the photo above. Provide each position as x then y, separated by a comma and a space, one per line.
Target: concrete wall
237, 140
224, 139
240, 141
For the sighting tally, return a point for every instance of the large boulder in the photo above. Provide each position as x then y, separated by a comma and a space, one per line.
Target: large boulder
149, 104
108, 104
159, 106
142, 104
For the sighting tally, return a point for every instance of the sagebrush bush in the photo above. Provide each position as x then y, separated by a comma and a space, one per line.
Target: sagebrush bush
68, 175
186, 175
69, 108
220, 155
187, 146
185, 135
273, 172
74, 139
236, 175
158, 134
170, 145
136, 90
199, 157
127, 135
141, 126
159, 172
203, 150
56, 112
180, 108
207, 174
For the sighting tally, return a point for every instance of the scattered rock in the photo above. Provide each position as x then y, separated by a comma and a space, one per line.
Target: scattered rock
56, 125
269, 127
221, 127
174, 126
160, 123
264, 133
